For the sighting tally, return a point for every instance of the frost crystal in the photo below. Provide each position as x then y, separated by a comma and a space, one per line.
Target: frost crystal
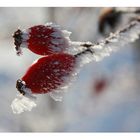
23, 102
25, 37
76, 47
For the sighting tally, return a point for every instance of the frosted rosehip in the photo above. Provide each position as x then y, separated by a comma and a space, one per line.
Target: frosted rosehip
42, 39
48, 73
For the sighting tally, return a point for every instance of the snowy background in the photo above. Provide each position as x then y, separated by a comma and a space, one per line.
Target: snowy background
115, 109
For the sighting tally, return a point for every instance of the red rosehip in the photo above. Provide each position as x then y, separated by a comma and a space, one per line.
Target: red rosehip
100, 85
42, 39
48, 73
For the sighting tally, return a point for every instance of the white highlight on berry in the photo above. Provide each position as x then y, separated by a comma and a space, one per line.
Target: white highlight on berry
23, 102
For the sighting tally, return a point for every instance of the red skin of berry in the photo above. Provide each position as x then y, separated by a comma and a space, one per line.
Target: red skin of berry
47, 74
40, 40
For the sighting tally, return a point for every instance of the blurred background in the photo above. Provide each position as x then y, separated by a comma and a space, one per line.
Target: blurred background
105, 97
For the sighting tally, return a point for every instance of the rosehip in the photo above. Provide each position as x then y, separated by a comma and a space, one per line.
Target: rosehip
100, 85
42, 39
108, 17
48, 73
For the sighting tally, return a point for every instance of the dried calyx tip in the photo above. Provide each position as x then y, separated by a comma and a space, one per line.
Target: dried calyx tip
17, 40
20, 85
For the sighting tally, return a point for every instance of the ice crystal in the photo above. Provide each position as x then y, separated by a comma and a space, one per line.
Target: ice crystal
23, 102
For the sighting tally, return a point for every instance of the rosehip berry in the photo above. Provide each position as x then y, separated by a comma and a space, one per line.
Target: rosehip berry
108, 17
100, 85
42, 39
47, 74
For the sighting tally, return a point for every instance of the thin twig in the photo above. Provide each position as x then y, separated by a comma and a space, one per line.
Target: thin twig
90, 48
